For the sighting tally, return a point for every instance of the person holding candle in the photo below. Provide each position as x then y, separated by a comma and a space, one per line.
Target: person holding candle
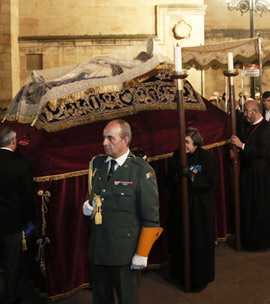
201, 172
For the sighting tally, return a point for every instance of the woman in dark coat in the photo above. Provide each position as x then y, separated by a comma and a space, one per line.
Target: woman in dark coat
201, 172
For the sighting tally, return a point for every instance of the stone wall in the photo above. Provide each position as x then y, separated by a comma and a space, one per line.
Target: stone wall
67, 32
103, 27
5, 52
91, 17
9, 51
231, 26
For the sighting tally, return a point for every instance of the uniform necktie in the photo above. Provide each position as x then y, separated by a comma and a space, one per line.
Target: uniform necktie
111, 171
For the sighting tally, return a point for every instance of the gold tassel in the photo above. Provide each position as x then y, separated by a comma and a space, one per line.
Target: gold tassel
97, 213
35, 120
45, 197
4, 118
41, 253
98, 218
24, 245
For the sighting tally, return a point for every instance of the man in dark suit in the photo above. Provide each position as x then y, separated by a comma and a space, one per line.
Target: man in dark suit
254, 147
124, 206
266, 105
16, 199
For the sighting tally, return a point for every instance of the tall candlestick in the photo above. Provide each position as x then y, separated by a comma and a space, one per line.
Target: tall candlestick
230, 61
178, 58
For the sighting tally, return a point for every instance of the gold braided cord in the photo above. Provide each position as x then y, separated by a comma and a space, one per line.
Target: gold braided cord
45, 198
86, 172
41, 254
90, 175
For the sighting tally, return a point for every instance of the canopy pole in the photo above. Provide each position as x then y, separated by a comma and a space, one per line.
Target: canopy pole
230, 74
260, 61
180, 76
251, 26
251, 19
202, 82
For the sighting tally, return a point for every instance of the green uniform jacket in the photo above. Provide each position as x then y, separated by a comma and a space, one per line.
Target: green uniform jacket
129, 201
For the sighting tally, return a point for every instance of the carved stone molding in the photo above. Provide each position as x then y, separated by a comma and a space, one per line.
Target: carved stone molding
233, 34
166, 13
182, 30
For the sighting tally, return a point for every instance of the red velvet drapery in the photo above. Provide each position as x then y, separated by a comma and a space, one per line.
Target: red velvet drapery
60, 162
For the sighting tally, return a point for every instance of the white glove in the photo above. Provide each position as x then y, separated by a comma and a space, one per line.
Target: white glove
87, 208
138, 262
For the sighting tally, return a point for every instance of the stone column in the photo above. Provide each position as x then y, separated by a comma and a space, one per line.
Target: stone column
9, 51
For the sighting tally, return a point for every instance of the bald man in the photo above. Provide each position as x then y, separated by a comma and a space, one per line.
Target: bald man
124, 210
254, 146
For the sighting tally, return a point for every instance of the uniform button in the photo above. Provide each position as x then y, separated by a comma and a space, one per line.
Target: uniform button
103, 190
128, 234
99, 178
122, 193
102, 199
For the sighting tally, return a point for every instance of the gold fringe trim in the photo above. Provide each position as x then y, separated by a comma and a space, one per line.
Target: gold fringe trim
68, 294
218, 144
24, 119
207, 147
87, 285
149, 159
158, 157
60, 176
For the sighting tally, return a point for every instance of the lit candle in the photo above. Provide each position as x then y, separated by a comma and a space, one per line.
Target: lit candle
177, 58
230, 61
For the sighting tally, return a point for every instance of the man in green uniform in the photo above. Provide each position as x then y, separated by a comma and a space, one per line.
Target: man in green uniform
124, 210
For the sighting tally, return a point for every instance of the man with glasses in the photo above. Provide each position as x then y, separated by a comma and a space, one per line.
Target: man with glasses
254, 147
